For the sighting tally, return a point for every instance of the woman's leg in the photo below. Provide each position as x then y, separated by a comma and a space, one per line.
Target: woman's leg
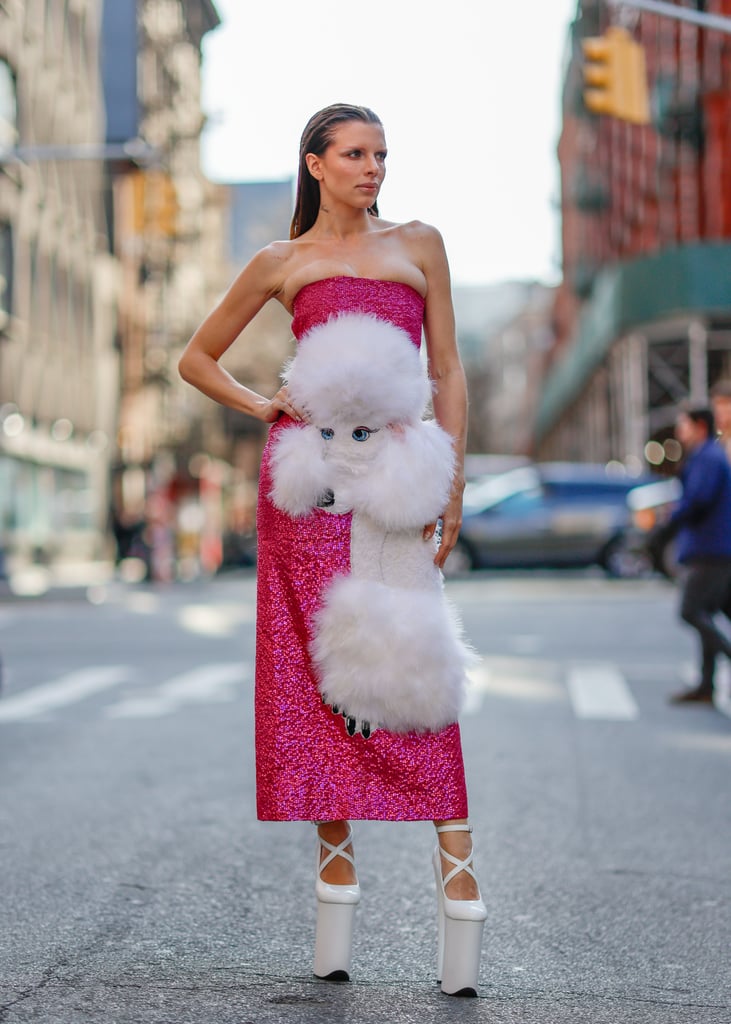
339, 871
459, 844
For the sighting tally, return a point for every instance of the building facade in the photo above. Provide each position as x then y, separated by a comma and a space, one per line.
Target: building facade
503, 332
169, 240
258, 212
58, 358
643, 315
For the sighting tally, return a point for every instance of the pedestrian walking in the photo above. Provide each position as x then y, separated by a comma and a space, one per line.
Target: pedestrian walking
343, 259
702, 523
721, 405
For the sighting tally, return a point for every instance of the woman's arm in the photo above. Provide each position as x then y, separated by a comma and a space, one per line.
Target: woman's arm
446, 371
259, 281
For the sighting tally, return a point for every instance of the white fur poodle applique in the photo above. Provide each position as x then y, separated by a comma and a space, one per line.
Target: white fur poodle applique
387, 646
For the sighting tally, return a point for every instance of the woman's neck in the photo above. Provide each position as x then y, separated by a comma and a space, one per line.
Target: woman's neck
340, 224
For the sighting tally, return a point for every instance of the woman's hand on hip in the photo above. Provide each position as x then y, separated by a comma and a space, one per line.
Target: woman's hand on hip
281, 405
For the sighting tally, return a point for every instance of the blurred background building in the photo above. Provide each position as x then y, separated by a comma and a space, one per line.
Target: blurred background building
59, 361
151, 56
642, 318
504, 331
113, 247
184, 482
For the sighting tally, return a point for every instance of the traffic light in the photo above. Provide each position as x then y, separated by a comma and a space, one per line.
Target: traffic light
154, 204
164, 202
615, 77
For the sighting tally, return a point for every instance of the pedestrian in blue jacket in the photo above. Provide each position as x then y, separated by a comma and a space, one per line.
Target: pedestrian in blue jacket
702, 523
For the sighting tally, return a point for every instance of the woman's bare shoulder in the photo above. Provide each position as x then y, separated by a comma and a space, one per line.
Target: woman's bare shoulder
276, 254
418, 231
425, 245
268, 269
408, 228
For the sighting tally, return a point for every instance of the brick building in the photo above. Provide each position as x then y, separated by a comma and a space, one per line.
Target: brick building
643, 315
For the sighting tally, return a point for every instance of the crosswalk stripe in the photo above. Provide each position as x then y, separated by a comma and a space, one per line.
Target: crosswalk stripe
595, 691
60, 692
207, 684
600, 692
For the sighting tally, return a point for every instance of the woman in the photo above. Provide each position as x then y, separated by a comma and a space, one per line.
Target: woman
342, 257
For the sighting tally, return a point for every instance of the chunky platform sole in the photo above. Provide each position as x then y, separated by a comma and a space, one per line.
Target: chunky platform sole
334, 940
461, 956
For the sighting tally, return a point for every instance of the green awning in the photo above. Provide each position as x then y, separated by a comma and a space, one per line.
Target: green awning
690, 279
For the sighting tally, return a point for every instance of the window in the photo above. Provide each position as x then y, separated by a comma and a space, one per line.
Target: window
8, 108
6, 274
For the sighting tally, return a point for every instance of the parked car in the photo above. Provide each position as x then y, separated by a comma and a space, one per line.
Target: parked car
551, 515
650, 505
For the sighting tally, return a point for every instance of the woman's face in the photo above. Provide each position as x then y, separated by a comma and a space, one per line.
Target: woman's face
352, 168
688, 432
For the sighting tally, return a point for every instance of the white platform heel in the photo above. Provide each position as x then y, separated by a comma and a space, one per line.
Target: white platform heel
461, 923
335, 915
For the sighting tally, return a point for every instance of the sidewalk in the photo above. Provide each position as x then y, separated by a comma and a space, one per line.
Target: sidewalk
73, 581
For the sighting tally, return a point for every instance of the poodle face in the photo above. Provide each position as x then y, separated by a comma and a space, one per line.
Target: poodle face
365, 448
399, 476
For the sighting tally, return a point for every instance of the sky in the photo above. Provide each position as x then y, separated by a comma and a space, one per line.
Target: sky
468, 92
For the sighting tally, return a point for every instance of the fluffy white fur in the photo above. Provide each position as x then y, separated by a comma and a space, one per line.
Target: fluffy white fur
358, 371
389, 655
299, 470
359, 364
387, 647
410, 482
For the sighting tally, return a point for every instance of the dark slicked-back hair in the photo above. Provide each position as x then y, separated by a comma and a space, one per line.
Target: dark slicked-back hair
722, 389
702, 414
316, 137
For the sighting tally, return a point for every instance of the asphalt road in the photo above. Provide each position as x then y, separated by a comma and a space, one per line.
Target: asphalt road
136, 885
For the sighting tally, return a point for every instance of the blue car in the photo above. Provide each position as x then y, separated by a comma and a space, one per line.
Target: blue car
552, 514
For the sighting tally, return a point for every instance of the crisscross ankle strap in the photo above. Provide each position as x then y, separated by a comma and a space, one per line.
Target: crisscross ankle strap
459, 865
336, 851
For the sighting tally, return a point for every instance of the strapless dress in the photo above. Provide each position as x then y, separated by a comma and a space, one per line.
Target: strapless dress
307, 766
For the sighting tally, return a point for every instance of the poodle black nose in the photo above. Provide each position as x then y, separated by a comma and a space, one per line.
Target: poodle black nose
326, 499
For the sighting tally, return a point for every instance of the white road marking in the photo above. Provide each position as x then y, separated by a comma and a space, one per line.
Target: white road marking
141, 602
66, 690
512, 678
599, 691
208, 684
215, 619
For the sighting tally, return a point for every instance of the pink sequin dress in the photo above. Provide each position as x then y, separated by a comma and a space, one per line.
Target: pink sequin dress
307, 766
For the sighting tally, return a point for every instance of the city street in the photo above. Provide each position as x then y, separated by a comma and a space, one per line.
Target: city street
137, 886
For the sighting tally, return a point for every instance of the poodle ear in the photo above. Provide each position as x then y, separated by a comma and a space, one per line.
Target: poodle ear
299, 470
409, 485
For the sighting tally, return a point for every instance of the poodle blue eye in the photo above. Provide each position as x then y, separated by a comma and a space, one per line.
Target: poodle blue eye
361, 434
327, 433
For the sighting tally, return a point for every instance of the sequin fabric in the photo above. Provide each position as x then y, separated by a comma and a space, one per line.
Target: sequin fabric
307, 766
